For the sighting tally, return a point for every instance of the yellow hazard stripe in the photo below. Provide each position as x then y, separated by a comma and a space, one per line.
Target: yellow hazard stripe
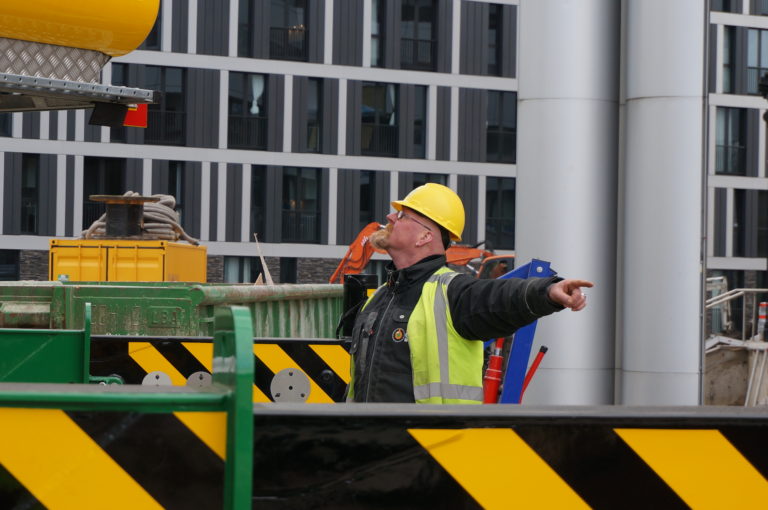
209, 427
62, 466
203, 352
276, 360
336, 357
701, 466
498, 469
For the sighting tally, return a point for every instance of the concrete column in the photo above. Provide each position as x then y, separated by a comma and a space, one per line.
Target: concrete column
567, 183
663, 172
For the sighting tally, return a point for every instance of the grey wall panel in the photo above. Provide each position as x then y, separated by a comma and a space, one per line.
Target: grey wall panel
234, 201
473, 106
273, 215
193, 191
316, 24
47, 195
383, 205
467, 187
213, 27
444, 35
443, 124
354, 100
92, 133
330, 127
275, 99
325, 204
180, 26
30, 125
160, 176
202, 87
53, 125
392, 16
71, 125
404, 184
260, 12
348, 32
469, 57
214, 202
299, 120
134, 175
348, 205
720, 224
406, 107
753, 141
11, 192
509, 41
740, 61
712, 58
69, 209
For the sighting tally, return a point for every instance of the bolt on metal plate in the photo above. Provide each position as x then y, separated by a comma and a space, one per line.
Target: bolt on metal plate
157, 378
290, 385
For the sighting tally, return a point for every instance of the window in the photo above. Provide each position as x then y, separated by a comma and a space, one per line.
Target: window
258, 200
762, 223
30, 193
152, 42
500, 213
166, 120
724, 5
176, 186
420, 122
739, 223
730, 146
101, 176
247, 111
417, 39
314, 114
367, 198
301, 205
757, 58
288, 30
242, 269
501, 132
9, 265
289, 270
421, 178
729, 34
494, 39
377, 33
379, 130
245, 29
5, 124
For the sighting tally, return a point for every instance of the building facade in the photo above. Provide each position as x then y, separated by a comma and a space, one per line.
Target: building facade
296, 120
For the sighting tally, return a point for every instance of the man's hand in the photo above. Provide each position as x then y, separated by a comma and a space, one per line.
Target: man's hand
568, 293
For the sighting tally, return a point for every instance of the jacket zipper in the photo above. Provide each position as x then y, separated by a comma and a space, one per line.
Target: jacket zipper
375, 343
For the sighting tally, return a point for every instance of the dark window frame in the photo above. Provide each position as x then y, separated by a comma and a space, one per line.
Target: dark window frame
495, 16
499, 225
288, 40
29, 217
730, 157
167, 119
501, 133
757, 67
378, 133
300, 221
247, 130
418, 52
378, 32
314, 142
258, 200
101, 176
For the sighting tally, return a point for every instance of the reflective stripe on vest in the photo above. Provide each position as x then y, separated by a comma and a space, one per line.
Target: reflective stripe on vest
438, 388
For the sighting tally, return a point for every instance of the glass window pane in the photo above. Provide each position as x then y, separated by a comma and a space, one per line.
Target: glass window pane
509, 110
752, 48
764, 48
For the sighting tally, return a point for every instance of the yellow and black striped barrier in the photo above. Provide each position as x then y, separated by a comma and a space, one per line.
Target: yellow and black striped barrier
502, 457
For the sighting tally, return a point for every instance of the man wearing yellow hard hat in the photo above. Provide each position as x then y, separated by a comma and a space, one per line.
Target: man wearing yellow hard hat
419, 337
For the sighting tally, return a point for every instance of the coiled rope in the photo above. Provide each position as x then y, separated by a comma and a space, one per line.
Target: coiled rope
160, 221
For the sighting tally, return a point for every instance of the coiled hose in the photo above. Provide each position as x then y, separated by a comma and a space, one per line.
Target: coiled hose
160, 221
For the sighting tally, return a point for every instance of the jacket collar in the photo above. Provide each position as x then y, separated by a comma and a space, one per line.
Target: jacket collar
415, 273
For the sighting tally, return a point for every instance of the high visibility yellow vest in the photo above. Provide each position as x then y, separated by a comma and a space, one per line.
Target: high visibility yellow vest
447, 368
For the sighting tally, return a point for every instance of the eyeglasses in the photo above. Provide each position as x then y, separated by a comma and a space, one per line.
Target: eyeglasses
401, 214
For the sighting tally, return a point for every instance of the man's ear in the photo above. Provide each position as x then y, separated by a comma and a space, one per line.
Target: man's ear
425, 238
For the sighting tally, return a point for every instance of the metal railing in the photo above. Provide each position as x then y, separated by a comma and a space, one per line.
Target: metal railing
745, 294
729, 159
501, 145
167, 128
247, 132
92, 211
418, 54
300, 226
378, 139
288, 43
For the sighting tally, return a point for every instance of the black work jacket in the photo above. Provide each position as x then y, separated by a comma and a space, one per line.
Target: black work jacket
480, 309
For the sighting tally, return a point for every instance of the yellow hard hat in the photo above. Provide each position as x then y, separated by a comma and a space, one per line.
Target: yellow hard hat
438, 203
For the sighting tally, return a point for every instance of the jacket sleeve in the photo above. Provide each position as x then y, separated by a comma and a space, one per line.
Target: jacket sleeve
485, 309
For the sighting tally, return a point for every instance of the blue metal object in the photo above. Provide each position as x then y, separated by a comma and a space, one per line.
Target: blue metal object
512, 382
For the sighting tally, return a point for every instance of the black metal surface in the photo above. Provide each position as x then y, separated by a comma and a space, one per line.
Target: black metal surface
356, 288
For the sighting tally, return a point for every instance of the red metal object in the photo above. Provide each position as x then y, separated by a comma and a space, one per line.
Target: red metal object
492, 377
532, 370
136, 116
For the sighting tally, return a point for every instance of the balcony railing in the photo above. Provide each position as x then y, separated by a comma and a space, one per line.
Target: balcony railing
378, 139
500, 233
288, 43
417, 54
300, 227
313, 137
753, 78
166, 128
247, 132
730, 159
501, 146
92, 211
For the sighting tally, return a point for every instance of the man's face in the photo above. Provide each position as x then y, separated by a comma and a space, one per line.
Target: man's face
402, 231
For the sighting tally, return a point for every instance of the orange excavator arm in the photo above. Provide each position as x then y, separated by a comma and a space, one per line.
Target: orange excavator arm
358, 254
